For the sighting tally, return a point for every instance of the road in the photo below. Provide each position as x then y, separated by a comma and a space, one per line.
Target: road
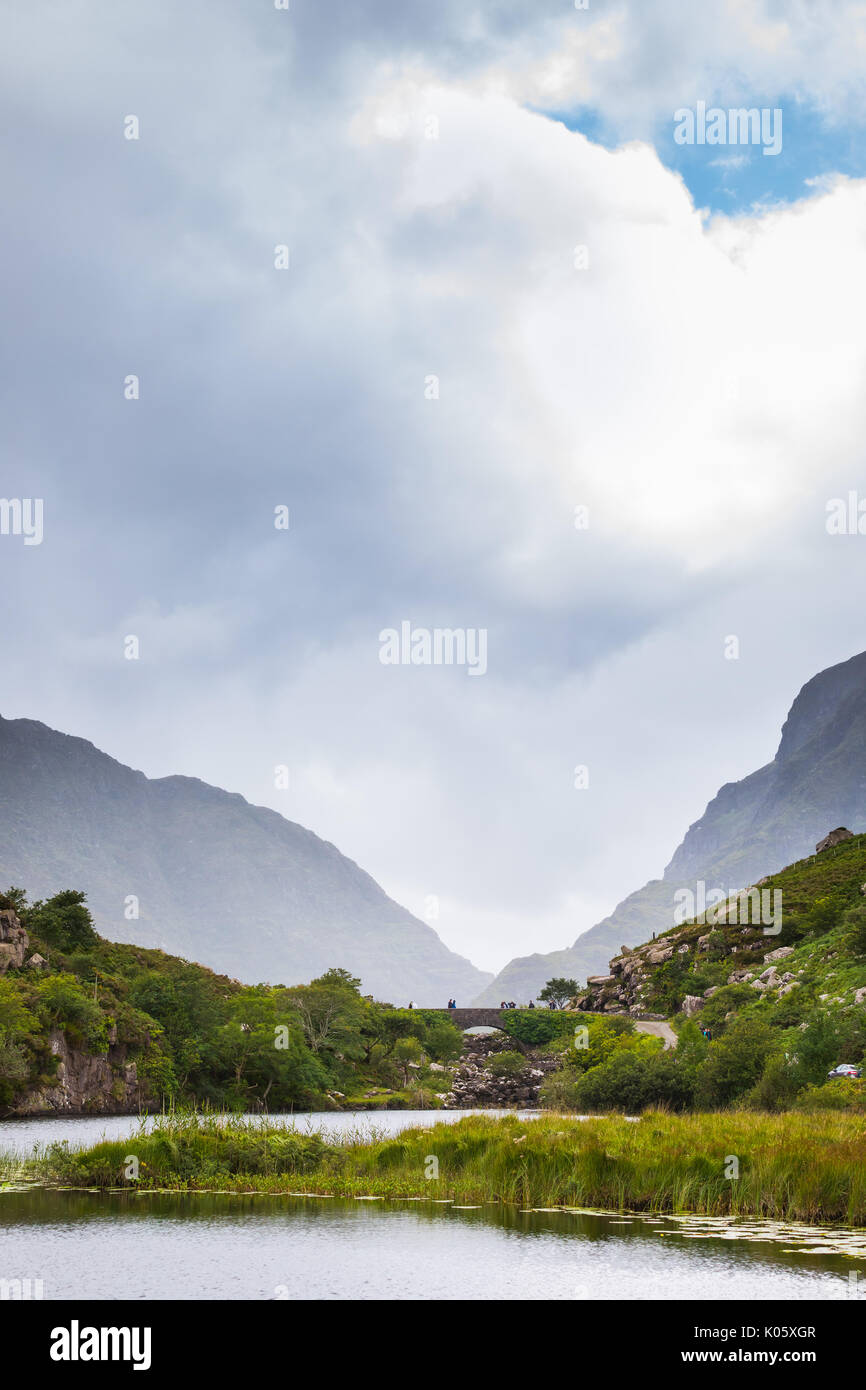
661, 1030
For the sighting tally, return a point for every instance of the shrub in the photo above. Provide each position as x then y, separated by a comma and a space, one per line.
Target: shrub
735, 1061
842, 1093
507, 1064
63, 922
538, 1026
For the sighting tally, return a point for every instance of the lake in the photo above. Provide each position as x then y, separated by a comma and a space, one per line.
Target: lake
84, 1244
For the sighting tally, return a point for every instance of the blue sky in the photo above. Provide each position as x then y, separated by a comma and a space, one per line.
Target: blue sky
734, 179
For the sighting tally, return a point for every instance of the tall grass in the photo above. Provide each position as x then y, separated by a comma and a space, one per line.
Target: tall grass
806, 1168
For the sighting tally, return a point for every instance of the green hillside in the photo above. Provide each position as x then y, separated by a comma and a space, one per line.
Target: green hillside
94, 1026
761, 1018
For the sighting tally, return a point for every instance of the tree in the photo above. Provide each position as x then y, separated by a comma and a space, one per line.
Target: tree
408, 1054
63, 922
558, 991
735, 1061
331, 1013
14, 898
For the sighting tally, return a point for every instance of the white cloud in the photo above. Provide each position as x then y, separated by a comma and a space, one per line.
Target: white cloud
697, 386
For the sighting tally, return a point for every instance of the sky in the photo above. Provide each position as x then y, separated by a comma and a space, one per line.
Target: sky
533, 368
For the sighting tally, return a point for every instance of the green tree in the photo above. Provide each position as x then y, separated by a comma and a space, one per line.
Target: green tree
558, 991
63, 922
735, 1062
408, 1054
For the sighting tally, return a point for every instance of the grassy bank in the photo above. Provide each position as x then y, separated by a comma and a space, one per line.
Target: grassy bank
800, 1167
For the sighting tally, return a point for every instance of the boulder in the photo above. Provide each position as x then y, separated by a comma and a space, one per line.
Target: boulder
836, 837
36, 961
660, 955
860, 996
691, 1004
780, 953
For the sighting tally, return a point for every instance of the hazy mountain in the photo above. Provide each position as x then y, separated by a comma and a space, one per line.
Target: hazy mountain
233, 886
816, 781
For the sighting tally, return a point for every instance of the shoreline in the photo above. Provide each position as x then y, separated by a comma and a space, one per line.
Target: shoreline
723, 1164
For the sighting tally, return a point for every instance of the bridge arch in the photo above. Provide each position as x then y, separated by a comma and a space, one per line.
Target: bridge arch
474, 1018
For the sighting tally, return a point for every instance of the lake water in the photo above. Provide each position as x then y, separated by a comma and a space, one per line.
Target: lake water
85, 1244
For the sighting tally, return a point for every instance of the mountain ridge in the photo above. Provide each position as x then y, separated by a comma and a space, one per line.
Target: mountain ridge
235, 886
750, 828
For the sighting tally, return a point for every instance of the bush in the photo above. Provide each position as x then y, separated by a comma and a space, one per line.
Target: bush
63, 922
735, 1062
854, 923
843, 1093
538, 1026
506, 1064
776, 1087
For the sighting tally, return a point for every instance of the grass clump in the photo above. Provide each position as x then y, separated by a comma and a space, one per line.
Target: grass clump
806, 1167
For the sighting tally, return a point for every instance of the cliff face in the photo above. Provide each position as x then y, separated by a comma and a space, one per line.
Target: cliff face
751, 828
13, 942
211, 878
85, 1083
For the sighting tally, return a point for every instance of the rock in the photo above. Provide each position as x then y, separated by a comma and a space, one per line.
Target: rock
780, 953
691, 1004
36, 961
104, 1084
599, 979
860, 996
740, 977
14, 941
708, 993
836, 837
660, 955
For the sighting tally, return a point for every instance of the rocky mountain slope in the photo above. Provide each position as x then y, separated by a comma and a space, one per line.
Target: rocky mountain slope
753, 827
733, 957
212, 878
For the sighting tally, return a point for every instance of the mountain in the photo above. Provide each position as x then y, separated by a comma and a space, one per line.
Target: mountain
233, 886
751, 828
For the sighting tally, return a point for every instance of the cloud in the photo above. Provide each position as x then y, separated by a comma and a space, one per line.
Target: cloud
694, 382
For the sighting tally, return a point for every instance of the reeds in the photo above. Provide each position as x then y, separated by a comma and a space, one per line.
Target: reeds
792, 1166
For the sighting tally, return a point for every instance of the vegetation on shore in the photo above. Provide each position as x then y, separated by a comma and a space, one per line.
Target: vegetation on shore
198, 1037
772, 1040
792, 1166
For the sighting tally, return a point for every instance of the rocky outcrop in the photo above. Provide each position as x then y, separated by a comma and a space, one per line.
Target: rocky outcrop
14, 941
627, 988
475, 1087
836, 837
86, 1083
